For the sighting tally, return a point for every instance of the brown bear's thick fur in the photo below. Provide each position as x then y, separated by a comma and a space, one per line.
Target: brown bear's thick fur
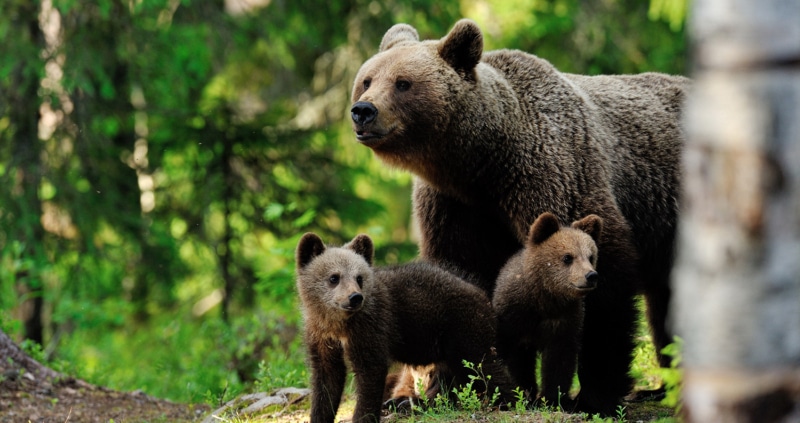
539, 303
414, 314
497, 138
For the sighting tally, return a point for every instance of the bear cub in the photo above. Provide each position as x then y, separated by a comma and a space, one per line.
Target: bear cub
539, 304
414, 314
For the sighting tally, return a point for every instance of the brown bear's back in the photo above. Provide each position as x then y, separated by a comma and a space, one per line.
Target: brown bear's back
630, 123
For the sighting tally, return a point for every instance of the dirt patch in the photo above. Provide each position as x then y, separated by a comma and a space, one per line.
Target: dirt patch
24, 398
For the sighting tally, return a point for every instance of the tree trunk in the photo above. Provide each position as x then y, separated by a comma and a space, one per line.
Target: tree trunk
26, 156
737, 275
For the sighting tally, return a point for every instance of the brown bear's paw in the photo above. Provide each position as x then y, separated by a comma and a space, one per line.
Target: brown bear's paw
590, 404
647, 395
401, 405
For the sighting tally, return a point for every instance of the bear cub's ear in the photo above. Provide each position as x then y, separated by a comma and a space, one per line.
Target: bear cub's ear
310, 246
543, 228
362, 245
462, 48
397, 34
592, 225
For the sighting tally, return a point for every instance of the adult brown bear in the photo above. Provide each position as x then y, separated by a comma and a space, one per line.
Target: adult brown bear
498, 138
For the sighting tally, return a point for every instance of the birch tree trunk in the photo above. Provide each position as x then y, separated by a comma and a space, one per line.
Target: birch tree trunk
737, 274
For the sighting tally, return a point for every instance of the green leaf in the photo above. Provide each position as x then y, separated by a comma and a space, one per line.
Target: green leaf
305, 219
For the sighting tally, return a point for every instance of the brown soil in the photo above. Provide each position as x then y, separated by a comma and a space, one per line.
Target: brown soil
24, 398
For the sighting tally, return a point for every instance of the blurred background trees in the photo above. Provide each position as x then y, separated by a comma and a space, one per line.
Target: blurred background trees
159, 160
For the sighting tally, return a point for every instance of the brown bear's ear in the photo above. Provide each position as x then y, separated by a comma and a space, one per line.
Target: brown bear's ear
592, 225
362, 244
310, 246
397, 34
462, 47
544, 227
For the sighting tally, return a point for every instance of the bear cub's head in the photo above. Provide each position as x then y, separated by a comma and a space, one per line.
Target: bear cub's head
334, 279
566, 254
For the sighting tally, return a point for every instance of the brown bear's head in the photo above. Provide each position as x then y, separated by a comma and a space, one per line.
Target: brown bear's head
403, 97
334, 281
566, 255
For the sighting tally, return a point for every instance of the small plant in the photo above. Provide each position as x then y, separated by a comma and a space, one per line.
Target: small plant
597, 419
218, 397
441, 404
521, 404
34, 350
544, 409
423, 395
469, 399
621, 415
278, 373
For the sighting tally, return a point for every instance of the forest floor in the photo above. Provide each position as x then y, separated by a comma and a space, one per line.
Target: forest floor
295, 408
26, 399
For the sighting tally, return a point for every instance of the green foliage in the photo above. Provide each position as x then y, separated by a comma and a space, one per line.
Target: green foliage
281, 372
522, 402
621, 416
471, 400
672, 11
673, 376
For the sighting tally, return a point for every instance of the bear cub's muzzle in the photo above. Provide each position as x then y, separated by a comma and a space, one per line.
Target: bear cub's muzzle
354, 302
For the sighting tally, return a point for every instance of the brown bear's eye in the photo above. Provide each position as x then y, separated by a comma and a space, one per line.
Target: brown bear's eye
402, 85
367, 82
359, 280
334, 279
567, 259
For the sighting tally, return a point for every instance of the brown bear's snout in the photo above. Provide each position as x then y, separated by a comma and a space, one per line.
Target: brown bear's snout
363, 112
591, 279
354, 301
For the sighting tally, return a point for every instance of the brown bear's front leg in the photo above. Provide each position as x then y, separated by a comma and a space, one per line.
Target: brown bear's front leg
610, 322
559, 361
328, 372
370, 368
518, 349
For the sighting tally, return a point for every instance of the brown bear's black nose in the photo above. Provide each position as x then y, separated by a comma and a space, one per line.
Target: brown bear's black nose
356, 299
363, 112
591, 278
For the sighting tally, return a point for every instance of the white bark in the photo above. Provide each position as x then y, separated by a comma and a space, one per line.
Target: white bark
737, 273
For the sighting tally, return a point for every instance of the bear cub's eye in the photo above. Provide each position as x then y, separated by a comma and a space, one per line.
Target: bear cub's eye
334, 279
402, 85
567, 259
367, 83
360, 281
